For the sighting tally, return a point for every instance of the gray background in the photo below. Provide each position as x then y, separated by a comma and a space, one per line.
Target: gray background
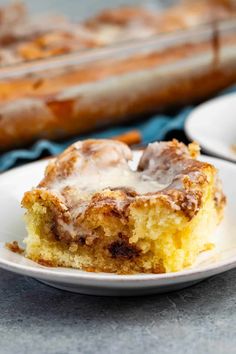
79, 9
35, 318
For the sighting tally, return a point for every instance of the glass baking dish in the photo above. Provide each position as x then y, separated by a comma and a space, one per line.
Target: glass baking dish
78, 92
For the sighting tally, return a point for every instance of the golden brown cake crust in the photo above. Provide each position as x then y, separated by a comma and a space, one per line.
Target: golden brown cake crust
183, 191
170, 163
91, 204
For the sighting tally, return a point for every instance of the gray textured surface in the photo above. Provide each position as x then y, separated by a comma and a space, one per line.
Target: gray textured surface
35, 318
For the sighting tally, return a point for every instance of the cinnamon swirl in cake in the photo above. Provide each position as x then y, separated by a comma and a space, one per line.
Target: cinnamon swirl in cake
92, 211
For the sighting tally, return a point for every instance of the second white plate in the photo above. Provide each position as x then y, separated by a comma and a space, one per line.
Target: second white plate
213, 125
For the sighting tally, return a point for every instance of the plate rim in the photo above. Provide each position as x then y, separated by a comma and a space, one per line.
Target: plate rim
43, 272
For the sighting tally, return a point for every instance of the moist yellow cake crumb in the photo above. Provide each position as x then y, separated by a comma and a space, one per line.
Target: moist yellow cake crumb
93, 212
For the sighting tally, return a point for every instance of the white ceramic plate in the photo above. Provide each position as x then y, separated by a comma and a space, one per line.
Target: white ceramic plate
14, 183
213, 126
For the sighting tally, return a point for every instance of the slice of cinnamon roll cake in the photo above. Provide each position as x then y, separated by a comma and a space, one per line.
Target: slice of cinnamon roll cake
92, 211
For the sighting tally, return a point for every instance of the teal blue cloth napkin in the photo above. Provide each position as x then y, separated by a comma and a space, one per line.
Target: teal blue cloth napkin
154, 128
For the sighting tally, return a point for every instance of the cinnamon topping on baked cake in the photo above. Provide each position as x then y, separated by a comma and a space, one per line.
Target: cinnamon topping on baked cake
93, 210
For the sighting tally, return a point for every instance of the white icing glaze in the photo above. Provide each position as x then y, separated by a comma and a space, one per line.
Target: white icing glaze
108, 34
98, 166
109, 178
103, 167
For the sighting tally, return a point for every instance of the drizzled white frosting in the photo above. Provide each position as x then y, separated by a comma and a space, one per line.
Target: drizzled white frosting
97, 167
109, 178
93, 168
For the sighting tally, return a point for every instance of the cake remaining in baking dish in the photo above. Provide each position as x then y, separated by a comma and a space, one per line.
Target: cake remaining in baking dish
61, 78
24, 37
93, 212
